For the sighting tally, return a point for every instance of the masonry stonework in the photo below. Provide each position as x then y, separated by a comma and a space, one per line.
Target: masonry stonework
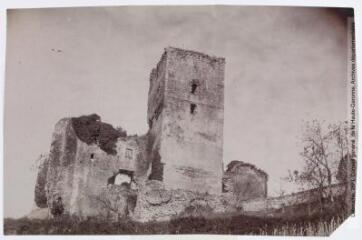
77, 172
245, 181
185, 114
95, 170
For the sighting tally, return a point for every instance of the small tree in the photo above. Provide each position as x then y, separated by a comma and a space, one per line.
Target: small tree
323, 148
347, 165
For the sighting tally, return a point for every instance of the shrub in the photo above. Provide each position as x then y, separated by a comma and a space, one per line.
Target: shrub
91, 130
57, 207
321, 226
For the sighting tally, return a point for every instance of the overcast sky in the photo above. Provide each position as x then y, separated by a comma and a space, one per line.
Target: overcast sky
283, 66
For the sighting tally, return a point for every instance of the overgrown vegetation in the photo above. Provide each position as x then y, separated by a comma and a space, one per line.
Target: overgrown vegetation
324, 148
91, 130
302, 219
321, 225
293, 220
321, 228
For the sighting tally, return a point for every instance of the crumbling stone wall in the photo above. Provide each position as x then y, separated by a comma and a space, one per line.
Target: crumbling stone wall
154, 202
116, 202
245, 181
273, 203
61, 164
78, 172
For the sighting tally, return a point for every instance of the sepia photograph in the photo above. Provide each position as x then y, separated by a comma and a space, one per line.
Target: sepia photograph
129, 120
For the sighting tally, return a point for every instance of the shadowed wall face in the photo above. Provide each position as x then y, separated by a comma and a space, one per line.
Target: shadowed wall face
191, 133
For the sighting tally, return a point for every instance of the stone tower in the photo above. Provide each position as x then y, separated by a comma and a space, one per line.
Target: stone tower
185, 116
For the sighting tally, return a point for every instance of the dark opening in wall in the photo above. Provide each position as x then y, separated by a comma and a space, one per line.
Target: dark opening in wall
111, 180
193, 88
194, 85
122, 177
92, 156
192, 108
223, 187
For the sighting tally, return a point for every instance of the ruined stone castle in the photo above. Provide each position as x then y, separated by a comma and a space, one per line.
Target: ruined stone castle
177, 166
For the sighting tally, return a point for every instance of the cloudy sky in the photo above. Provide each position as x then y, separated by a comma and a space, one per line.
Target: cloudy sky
283, 66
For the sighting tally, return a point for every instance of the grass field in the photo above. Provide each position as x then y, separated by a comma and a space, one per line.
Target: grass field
323, 225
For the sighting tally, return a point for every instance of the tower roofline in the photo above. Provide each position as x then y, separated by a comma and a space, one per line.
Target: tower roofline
211, 57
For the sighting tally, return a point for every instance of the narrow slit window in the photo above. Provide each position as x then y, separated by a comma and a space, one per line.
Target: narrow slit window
193, 108
193, 88
92, 156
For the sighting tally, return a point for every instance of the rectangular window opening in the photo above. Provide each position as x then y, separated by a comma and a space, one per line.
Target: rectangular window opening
193, 88
193, 108
129, 153
194, 85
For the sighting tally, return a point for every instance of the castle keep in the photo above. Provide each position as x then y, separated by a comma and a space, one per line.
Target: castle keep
185, 117
93, 169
